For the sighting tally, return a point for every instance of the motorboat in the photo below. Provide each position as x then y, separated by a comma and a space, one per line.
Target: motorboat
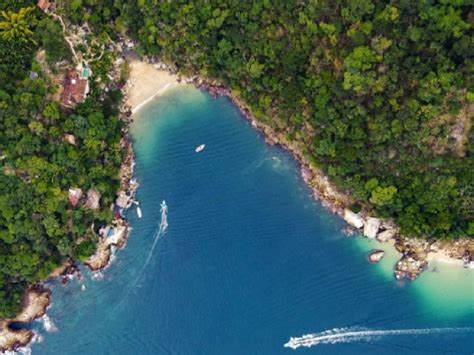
163, 206
200, 148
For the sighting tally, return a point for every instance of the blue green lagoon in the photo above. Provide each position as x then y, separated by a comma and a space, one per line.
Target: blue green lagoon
248, 259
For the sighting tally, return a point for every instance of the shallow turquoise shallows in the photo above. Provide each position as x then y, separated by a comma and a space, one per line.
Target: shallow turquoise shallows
247, 261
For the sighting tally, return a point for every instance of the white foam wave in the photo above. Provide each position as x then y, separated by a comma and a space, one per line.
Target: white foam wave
276, 162
48, 324
26, 350
113, 256
159, 92
346, 335
37, 338
97, 275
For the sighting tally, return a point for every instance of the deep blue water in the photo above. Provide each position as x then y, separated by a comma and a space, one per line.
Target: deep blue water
248, 260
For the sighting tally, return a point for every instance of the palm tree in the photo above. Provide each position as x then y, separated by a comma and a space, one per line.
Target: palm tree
16, 25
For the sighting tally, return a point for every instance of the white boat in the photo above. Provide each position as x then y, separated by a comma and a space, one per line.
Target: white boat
200, 148
139, 212
163, 206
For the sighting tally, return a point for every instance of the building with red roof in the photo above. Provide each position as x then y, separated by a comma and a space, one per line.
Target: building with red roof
75, 88
46, 5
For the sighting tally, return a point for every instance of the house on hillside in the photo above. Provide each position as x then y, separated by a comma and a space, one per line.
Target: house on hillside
46, 5
71, 139
74, 195
93, 200
75, 88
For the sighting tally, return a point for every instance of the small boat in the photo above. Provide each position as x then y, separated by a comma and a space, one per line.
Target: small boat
139, 212
200, 148
163, 206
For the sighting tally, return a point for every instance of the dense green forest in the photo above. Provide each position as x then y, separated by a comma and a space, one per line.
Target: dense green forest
380, 92
39, 229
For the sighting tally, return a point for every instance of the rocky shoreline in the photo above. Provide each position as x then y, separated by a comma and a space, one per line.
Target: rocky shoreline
415, 252
37, 299
121, 229
35, 302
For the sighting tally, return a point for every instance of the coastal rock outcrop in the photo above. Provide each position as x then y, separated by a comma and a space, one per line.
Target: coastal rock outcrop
386, 235
414, 257
100, 258
35, 302
60, 270
375, 256
353, 219
371, 227
11, 340
409, 266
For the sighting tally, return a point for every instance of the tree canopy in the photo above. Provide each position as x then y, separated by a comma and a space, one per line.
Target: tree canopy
39, 228
374, 90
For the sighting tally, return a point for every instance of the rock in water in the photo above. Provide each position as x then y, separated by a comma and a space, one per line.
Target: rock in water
409, 267
375, 256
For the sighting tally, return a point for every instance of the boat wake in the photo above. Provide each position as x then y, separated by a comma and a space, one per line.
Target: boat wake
161, 231
347, 335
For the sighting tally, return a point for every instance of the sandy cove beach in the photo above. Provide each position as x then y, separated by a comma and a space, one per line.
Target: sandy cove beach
441, 256
146, 82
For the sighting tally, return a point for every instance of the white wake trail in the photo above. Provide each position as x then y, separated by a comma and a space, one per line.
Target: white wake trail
346, 335
161, 231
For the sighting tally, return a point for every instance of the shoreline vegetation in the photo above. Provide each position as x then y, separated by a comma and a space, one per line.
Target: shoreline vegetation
105, 101
146, 82
416, 253
379, 121
362, 66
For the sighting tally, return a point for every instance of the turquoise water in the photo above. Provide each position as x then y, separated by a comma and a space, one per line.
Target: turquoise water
248, 259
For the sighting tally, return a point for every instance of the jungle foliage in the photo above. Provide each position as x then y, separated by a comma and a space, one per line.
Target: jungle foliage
379, 93
39, 228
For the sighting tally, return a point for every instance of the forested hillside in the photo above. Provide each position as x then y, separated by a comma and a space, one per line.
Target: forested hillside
381, 92
39, 228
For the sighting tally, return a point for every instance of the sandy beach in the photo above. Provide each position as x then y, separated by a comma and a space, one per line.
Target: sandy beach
440, 256
147, 82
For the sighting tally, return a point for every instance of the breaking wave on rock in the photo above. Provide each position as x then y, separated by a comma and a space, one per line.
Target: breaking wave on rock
48, 324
